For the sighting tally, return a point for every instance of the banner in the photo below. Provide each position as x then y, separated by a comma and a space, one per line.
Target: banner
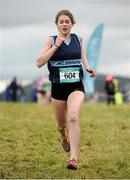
93, 51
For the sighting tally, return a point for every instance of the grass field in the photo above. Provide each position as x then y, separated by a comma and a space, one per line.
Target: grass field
30, 148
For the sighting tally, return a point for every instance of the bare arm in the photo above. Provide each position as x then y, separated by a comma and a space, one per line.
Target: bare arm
84, 58
85, 62
48, 51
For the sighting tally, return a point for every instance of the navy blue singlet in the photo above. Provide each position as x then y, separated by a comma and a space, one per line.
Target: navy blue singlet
65, 65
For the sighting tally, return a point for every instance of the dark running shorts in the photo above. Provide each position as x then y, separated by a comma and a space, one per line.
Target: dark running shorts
62, 91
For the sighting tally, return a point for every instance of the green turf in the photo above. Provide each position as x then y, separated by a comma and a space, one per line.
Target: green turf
30, 148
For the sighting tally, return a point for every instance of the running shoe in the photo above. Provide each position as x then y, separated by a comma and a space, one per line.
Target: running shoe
65, 144
72, 164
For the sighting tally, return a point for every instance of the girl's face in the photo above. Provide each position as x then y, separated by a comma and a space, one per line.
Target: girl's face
64, 25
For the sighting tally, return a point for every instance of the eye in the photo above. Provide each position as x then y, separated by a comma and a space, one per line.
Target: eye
61, 22
67, 22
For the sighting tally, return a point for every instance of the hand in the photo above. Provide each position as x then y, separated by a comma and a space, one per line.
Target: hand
91, 71
59, 41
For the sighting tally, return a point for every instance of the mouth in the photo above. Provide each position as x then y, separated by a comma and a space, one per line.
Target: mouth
64, 29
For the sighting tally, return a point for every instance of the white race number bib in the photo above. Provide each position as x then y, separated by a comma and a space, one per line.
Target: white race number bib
68, 75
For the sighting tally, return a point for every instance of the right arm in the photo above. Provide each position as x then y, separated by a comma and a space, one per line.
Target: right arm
48, 51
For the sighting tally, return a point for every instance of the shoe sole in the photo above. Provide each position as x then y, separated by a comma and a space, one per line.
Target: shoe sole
72, 167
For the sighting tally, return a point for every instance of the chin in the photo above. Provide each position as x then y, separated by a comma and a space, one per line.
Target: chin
65, 33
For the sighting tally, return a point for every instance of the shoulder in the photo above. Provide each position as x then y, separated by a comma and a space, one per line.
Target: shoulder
50, 40
78, 37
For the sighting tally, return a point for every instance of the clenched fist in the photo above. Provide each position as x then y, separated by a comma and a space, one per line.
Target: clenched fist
59, 41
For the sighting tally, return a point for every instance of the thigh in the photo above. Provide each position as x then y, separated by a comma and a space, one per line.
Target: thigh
60, 108
74, 102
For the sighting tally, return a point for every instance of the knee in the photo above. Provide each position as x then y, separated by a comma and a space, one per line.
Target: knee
73, 118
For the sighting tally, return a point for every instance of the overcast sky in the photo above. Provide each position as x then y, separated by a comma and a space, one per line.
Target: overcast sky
25, 24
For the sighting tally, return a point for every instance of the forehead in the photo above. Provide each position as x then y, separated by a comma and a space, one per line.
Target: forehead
64, 18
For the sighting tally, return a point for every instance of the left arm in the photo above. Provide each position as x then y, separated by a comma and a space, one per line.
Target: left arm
85, 62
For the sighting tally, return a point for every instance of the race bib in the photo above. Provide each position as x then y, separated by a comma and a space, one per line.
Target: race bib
68, 75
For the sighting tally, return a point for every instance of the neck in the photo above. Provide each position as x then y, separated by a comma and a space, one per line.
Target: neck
66, 36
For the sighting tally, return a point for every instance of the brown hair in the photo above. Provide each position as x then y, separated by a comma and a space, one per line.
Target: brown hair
66, 13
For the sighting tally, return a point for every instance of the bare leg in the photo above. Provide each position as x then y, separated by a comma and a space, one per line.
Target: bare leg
75, 100
60, 108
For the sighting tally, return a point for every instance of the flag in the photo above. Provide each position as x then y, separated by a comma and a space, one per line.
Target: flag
93, 51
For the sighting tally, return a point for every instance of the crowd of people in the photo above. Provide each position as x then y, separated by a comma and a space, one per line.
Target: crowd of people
38, 91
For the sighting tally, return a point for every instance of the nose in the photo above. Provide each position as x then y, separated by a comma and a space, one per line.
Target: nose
64, 24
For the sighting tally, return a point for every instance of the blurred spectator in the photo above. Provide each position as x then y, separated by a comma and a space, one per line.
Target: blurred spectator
43, 93
40, 91
7, 94
13, 87
14, 92
33, 92
118, 94
20, 94
109, 87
